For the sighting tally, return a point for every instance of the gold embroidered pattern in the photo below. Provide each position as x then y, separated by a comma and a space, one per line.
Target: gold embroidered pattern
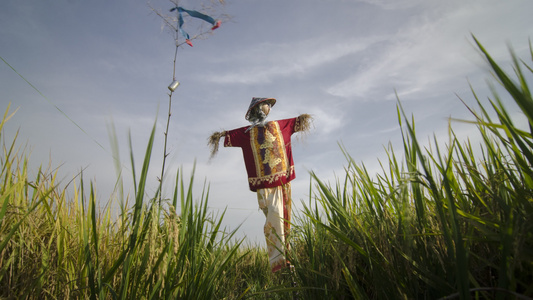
268, 146
228, 141
256, 181
270, 157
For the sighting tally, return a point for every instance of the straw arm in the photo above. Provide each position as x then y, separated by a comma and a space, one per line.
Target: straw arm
304, 123
213, 141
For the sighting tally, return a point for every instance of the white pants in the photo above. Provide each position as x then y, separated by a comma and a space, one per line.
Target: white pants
276, 205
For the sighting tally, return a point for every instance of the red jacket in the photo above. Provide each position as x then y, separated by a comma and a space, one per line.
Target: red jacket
267, 152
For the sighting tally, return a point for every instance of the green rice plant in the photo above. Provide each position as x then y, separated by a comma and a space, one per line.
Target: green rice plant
166, 255
53, 246
446, 222
252, 273
318, 268
20, 200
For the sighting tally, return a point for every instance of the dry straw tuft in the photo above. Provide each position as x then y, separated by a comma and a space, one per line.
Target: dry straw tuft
213, 142
304, 123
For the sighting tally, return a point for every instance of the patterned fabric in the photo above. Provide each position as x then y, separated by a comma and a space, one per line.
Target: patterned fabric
276, 205
267, 152
268, 160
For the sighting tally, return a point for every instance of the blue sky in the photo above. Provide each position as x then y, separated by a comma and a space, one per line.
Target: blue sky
343, 61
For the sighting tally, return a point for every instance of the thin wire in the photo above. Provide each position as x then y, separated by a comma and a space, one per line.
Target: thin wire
51, 103
61, 111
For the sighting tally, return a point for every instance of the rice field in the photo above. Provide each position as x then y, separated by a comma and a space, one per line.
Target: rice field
439, 222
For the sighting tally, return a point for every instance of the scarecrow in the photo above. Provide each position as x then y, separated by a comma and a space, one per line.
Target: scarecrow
266, 147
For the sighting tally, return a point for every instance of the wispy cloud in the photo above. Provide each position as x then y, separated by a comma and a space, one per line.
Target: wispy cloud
423, 53
265, 62
428, 54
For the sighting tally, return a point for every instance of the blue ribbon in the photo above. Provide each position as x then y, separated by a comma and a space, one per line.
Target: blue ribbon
194, 14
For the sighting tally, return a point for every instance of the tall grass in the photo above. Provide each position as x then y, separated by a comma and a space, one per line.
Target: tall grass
438, 222
446, 222
56, 247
